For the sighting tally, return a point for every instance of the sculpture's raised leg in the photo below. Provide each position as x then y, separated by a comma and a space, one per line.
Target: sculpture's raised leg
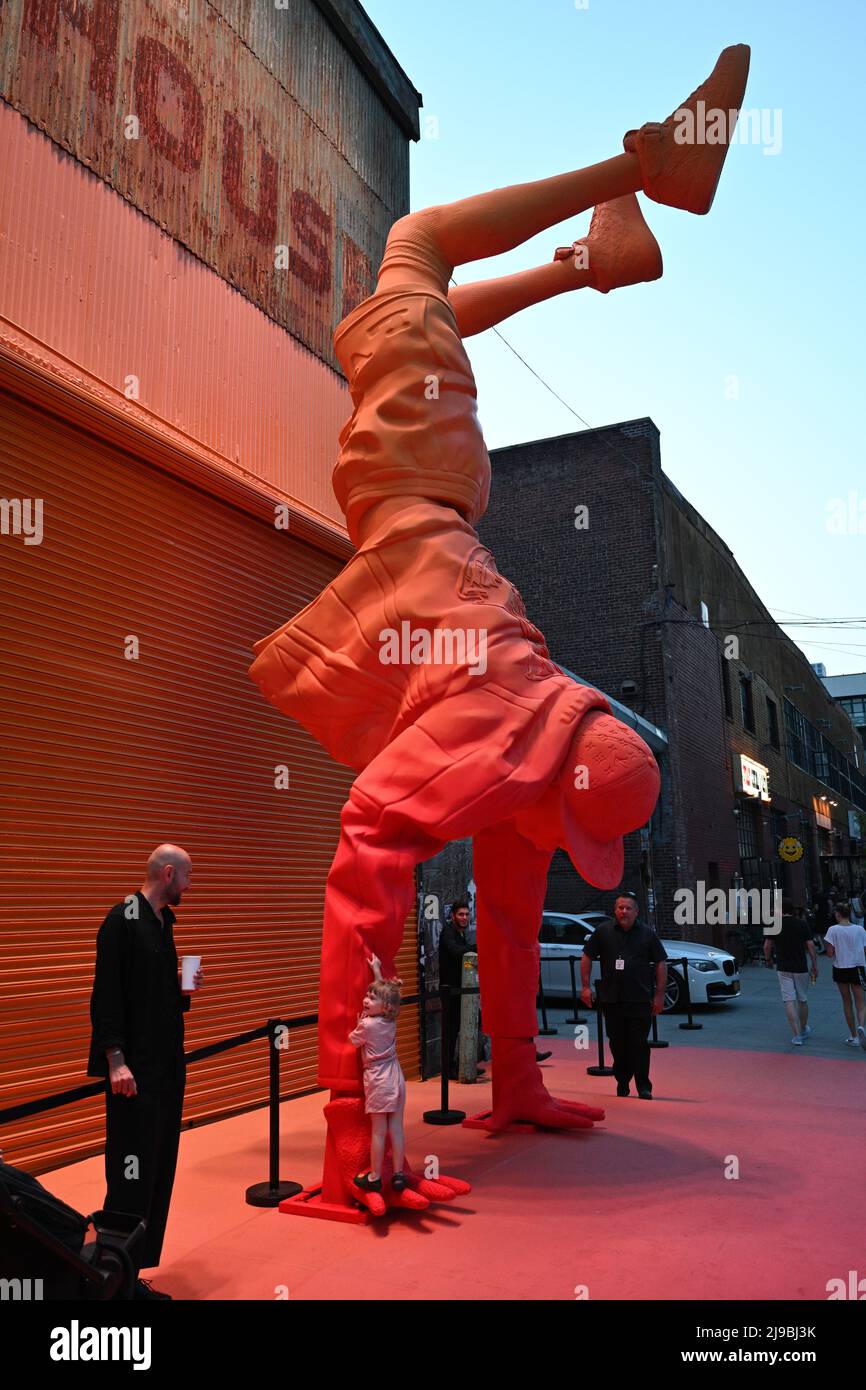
671, 161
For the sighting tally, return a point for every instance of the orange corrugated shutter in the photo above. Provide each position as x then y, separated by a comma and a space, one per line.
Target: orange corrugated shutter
104, 757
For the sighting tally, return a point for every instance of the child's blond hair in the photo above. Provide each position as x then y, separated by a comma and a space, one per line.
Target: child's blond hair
388, 994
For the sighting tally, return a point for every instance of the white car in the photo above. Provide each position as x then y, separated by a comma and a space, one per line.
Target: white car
713, 973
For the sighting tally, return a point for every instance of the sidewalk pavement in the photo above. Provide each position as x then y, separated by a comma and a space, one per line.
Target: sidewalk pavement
756, 1019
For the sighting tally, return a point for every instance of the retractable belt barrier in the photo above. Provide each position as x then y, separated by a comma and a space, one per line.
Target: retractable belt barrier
262, 1194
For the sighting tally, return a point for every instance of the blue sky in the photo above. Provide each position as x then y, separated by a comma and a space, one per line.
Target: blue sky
767, 290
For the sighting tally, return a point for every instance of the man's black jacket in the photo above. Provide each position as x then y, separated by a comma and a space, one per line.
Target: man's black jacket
452, 948
137, 1002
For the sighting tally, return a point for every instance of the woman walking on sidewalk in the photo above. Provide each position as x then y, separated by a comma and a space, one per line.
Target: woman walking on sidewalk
846, 943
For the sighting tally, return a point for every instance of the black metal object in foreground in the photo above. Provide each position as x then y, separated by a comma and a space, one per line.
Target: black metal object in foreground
272, 1192
444, 1115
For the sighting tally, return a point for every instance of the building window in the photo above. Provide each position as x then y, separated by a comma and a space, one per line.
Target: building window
748, 832
773, 722
817, 760
746, 705
726, 688
812, 751
795, 725
856, 709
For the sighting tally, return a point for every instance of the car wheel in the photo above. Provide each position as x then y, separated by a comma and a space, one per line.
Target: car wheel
673, 992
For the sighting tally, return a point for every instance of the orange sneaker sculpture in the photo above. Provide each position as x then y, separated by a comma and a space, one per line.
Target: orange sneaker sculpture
418, 665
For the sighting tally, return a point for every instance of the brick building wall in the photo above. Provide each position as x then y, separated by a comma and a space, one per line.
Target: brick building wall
704, 842
599, 586
618, 589
530, 528
702, 568
591, 581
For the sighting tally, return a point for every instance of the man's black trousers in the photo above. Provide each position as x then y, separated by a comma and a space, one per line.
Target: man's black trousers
455, 1004
142, 1134
627, 1027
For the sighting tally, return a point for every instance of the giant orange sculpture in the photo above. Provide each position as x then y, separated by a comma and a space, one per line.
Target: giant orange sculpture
418, 665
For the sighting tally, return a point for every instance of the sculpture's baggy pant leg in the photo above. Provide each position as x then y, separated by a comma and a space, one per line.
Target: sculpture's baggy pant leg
428, 787
369, 893
511, 880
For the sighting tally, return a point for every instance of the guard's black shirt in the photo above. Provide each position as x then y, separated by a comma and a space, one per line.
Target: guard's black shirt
640, 950
137, 1003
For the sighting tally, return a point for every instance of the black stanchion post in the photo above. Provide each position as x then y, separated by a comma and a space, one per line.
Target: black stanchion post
601, 1069
691, 1023
655, 1040
575, 1016
444, 1115
544, 1031
272, 1192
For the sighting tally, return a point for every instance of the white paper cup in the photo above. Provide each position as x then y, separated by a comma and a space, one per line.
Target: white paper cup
188, 966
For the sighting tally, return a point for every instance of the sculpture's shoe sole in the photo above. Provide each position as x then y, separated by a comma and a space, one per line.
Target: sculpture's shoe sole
621, 249
678, 166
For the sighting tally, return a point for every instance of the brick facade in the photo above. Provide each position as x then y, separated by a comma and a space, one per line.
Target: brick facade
614, 566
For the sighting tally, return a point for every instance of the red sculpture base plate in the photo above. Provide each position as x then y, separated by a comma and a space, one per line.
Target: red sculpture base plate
309, 1203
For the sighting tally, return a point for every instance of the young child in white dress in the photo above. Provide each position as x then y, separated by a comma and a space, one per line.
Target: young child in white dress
384, 1084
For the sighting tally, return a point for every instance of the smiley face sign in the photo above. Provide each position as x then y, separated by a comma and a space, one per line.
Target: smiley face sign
791, 849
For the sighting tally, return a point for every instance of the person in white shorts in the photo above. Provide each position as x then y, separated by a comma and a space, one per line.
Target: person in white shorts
789, 946
846, 942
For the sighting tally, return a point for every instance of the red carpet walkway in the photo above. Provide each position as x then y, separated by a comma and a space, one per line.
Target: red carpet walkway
638, 1208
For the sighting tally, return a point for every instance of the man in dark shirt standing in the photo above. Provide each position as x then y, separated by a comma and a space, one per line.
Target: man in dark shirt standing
631, 989
452, 948
136, 1010
790, 945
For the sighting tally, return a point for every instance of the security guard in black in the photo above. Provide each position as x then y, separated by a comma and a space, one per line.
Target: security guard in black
630, 990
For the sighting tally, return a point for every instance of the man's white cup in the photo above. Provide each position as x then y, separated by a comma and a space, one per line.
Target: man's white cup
188, 966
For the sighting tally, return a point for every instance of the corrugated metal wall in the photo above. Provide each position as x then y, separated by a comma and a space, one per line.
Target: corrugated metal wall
142, 301
105, 757
109, 292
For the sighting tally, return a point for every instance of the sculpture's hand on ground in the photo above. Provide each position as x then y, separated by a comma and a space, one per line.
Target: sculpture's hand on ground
439, 1189
520, 1096
543, 1110
349, 1131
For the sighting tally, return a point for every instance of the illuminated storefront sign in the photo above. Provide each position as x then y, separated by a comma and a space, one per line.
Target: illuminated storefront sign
754, 778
